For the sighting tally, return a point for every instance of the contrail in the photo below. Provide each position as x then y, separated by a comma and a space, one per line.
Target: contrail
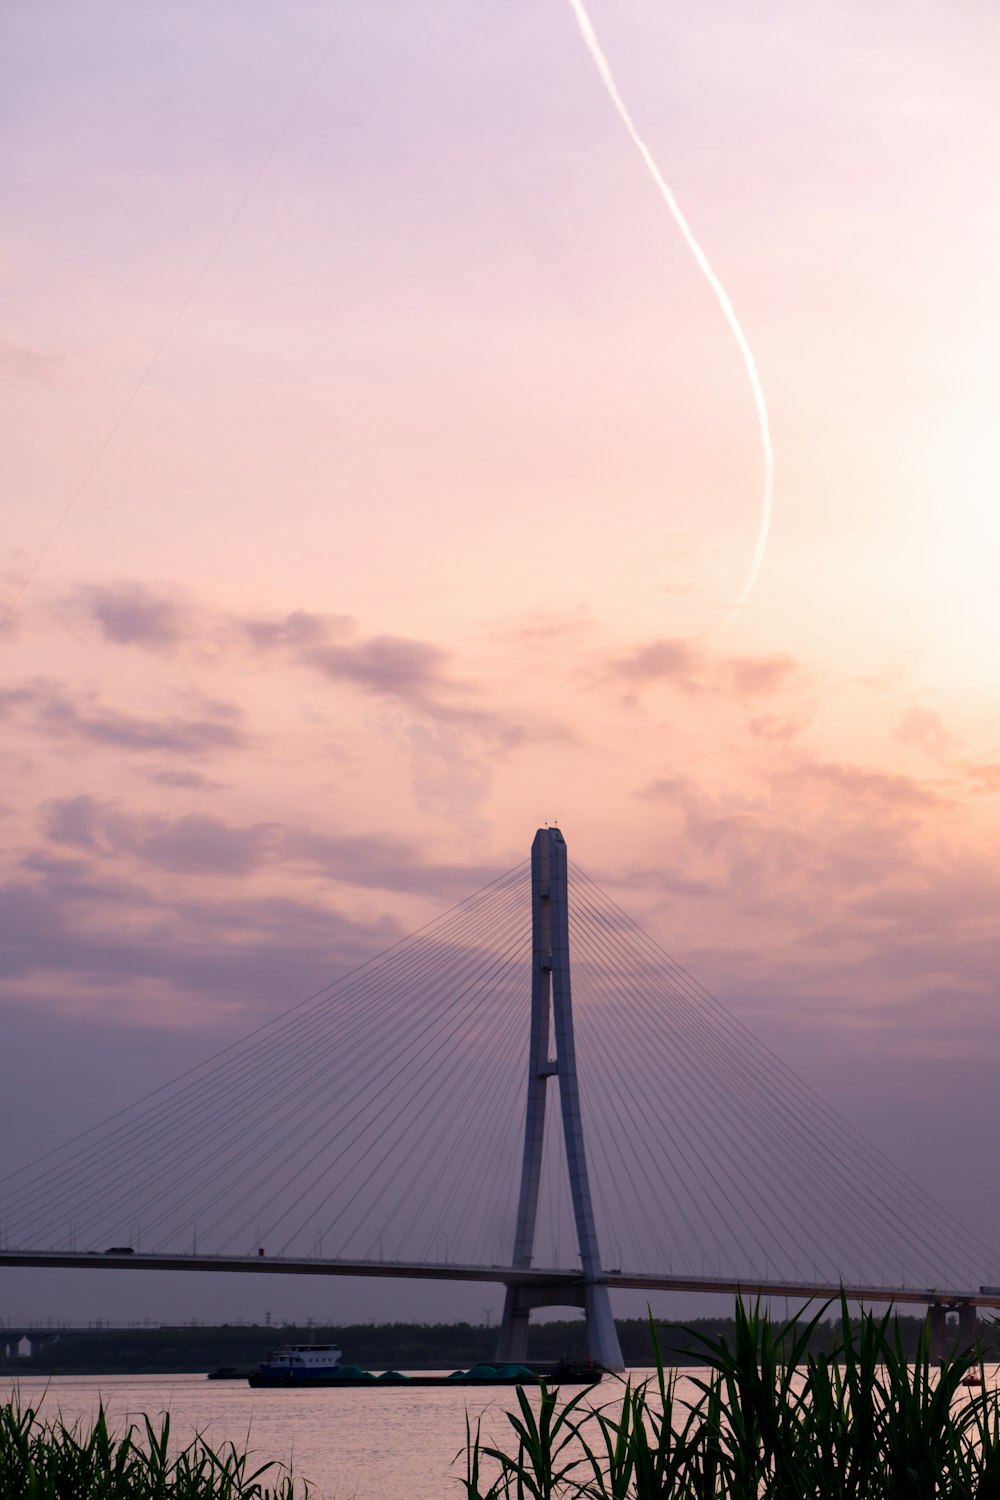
604, 69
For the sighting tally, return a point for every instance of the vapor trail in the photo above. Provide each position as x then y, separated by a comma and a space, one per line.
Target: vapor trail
604, 69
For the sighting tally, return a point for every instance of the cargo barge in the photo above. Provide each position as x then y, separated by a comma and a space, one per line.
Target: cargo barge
317, 1366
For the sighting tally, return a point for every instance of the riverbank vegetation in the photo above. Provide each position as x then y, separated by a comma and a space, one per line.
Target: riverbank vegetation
765, 1418
48, 1460
196, 1348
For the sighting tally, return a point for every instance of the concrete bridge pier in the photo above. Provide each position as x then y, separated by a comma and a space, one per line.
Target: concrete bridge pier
942, 1344
512, 1341
937, 1321
602, 1336
968, 1327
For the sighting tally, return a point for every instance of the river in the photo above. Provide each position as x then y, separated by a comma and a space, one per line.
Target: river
355, 1444
385, 1443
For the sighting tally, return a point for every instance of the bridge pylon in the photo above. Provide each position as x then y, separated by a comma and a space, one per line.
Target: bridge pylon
551, 1000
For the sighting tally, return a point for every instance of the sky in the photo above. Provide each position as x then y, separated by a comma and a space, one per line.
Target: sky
412, 476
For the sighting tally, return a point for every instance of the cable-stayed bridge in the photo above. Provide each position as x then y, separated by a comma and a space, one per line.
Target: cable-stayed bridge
380, 1128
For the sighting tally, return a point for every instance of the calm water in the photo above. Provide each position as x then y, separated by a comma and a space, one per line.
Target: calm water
389, 1444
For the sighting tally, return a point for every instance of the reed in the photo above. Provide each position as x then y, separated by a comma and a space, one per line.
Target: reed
48, 1460
767, 1420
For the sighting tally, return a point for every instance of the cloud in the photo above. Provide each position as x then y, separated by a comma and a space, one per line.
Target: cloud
203, 845
131, 614
411, 671
674, 661
157, 619
401, 669
985, 777
87, 923
382, 862
862, 785
393, 666
780, 727
753, 676
77, 821
439, 719
797, 846
186, 780
88, 942
12, 699
192, 844
200, 845
413, 675
447, 779
297, 631
542, 628
19, 362
693, 668
54, 712
925, 729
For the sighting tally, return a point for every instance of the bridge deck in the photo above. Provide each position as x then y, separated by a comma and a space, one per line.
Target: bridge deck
505, 1275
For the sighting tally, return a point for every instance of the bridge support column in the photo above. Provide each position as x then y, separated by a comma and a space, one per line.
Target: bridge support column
941, 1343
937, 1321
602, 1335
512, 1340
512, 1343
550, 990
968, 1326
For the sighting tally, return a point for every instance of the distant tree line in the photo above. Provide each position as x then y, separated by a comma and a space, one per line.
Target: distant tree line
127, 1351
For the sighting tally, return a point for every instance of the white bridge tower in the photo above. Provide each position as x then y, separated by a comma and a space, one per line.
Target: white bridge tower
551, 997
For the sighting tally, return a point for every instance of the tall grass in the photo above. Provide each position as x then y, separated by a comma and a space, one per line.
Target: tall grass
767, 1420
48, 1460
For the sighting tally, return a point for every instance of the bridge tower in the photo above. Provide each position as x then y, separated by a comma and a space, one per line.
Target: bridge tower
550, 995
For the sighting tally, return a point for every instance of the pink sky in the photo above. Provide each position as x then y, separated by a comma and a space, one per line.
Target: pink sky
424, 525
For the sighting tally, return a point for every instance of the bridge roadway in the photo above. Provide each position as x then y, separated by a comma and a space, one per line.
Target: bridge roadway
535, 1276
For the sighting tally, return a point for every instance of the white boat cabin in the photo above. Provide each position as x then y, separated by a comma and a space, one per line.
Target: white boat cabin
304, 1357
